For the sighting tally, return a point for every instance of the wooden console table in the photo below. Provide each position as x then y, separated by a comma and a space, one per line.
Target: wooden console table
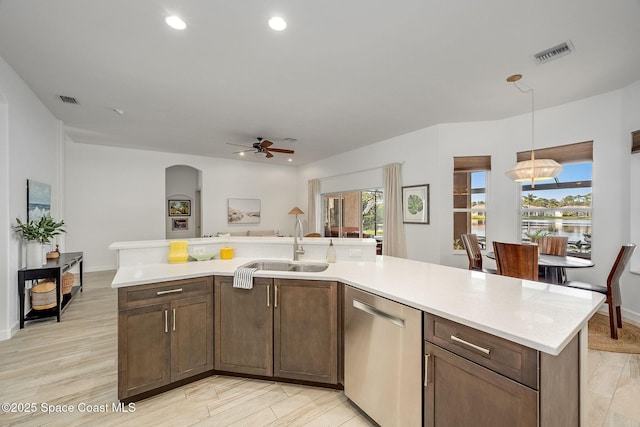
53, 269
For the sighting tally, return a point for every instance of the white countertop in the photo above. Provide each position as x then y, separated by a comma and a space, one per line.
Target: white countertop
538, 315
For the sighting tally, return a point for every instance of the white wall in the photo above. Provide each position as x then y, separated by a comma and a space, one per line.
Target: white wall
630, 123
117, 194
30, 146
428, 159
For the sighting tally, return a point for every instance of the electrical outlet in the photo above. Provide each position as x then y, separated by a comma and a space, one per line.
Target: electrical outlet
355, 252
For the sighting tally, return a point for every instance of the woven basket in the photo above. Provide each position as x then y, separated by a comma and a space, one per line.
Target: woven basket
67, 282
43, 296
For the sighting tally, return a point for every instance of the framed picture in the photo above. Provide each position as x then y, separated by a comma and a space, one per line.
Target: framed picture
243, 211
179, 224
415, 204
179, 207
38, 199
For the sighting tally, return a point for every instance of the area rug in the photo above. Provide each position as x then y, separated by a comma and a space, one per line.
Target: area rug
600, 336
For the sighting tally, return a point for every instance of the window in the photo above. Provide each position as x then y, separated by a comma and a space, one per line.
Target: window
470, 197
353, 214
561, 206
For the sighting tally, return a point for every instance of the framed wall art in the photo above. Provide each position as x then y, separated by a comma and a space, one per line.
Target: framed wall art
243, 211
415, 204
38, 200
179, 207
179, 224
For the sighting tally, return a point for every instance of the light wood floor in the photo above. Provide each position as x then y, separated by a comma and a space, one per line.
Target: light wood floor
74, 363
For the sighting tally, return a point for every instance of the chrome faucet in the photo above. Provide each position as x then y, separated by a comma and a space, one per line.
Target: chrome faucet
297, 233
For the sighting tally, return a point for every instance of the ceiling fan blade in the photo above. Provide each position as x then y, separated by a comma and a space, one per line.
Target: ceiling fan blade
281, 150
264, 143
269, 155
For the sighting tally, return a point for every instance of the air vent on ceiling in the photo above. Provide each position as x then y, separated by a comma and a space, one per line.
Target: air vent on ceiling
554, 53
68, 99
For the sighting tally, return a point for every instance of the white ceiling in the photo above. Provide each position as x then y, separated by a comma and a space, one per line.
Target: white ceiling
344, 74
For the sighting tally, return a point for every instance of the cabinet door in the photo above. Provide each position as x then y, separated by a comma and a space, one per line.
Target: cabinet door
144, 342
459, 392
244, 327
191, 336
306, 330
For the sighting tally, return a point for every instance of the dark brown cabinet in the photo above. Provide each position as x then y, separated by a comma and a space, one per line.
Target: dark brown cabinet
165, 334
280, 328
244, 327
472, 378
306, 330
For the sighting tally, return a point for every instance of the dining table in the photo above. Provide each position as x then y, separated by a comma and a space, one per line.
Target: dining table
554, 266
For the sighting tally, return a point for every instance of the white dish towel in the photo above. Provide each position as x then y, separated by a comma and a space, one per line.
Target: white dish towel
243, 278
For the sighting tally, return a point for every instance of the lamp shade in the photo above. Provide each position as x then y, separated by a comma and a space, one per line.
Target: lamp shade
296, 211
534, 170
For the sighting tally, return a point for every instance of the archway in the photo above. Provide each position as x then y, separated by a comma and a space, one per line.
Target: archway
182, 191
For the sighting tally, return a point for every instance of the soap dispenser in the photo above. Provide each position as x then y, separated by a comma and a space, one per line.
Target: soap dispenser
331, 252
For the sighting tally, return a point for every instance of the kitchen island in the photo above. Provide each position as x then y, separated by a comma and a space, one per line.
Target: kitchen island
539, 316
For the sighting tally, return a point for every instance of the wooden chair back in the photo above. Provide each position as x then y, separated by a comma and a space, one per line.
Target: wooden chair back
471, 245
516, 260
613, 281
553, 245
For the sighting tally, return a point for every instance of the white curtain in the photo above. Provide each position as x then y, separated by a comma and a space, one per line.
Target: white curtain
313, 212
394, 243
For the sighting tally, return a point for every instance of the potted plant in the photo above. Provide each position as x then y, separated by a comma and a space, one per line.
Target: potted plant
36, 233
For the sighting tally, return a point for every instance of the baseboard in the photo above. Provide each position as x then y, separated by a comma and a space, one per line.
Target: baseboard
95, 269
631, 316
6, 334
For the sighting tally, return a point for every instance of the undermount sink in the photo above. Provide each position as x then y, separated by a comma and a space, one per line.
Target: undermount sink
303, 267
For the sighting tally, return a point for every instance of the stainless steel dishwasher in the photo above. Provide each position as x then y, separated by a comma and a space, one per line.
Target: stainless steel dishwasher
383, 358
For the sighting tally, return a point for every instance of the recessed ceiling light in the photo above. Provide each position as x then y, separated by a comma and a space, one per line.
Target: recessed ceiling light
290, 160
277, 23
241, 153
175, 22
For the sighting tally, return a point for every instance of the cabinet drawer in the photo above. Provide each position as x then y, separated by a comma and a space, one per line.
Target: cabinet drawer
512, 360
154, 293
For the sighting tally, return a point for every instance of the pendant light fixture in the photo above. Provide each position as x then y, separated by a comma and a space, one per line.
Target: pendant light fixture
534, 169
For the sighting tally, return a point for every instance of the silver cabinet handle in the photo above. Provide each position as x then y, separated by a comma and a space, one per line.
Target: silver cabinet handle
174, 319
377, 312
166, 321
268, 294
172, 291
426, 369
275, 298
475, 347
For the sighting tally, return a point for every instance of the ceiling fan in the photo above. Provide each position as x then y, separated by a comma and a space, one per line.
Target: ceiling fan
263, 146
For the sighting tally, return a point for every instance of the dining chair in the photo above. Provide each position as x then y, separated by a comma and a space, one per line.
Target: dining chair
472, 246
553, 245
313, 235
516, 260
612, 289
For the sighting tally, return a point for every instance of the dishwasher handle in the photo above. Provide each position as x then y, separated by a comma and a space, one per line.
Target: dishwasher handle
377, 312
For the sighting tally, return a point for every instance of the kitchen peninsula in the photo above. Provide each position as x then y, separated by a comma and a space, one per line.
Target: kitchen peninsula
545, 319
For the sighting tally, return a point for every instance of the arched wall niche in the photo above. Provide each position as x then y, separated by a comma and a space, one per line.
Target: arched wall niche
182, 202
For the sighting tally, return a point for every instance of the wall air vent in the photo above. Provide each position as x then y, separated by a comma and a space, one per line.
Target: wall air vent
554, 53
68, 99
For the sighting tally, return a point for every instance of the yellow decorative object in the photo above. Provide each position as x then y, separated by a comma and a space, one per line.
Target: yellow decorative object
226, 253
178, 251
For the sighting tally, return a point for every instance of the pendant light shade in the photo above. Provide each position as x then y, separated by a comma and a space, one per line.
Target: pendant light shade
534, 169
